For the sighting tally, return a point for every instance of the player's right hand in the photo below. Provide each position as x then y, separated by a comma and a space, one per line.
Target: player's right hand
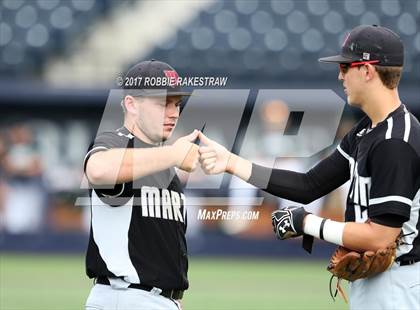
214, 157
185, 152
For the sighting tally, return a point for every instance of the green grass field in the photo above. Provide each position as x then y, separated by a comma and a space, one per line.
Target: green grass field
39, 282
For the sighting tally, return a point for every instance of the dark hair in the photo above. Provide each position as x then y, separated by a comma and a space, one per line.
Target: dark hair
390, 76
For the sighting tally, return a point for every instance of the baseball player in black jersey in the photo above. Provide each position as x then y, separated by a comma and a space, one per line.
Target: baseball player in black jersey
137, 251
381, 158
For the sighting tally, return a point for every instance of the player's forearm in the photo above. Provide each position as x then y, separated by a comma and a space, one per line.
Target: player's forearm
117, 166
263, 178
326, 176
368, 236
355, 236
287, 184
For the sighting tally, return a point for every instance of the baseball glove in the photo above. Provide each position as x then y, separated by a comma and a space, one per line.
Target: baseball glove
351, 265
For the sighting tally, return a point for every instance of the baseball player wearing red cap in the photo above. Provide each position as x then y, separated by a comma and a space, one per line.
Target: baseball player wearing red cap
381, 158
137, 251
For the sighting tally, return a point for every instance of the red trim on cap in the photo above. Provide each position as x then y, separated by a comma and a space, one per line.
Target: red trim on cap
359, 63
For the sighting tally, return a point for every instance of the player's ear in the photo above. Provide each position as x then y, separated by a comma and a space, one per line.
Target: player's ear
370, 72
130, 104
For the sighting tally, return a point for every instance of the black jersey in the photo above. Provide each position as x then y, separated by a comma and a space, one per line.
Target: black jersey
384, 167
138, 228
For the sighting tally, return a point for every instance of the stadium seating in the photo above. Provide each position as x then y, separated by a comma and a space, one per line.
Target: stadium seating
33, 30
248, 39
254, 38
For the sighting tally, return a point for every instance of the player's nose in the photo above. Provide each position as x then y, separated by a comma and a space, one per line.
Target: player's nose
172, 111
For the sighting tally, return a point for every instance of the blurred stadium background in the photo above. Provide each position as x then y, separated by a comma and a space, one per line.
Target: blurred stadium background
58, 61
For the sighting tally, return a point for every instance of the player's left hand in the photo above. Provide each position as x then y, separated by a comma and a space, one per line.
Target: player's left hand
351, 265
288, 222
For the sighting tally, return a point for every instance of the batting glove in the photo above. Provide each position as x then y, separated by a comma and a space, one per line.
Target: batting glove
288, 222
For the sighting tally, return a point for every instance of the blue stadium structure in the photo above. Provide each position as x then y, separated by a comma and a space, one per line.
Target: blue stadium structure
284, 39
247, 39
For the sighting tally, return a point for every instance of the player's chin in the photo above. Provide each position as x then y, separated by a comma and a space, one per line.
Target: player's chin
167, 133
351, 101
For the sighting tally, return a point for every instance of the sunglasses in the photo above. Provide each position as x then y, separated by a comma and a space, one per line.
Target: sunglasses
344, 67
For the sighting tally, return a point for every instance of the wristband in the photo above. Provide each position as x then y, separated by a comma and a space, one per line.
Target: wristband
324, 229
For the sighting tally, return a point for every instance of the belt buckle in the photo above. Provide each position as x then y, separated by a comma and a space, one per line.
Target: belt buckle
118, 283
156, 291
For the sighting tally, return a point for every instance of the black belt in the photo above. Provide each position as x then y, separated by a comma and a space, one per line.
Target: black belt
174, 294
409, 262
